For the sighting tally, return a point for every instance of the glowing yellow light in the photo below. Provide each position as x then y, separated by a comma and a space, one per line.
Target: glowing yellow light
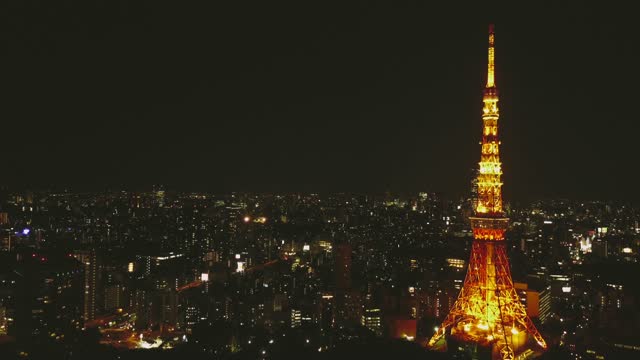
491, 67
488, 298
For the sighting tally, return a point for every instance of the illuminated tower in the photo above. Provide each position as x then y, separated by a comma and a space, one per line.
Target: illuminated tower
488, 311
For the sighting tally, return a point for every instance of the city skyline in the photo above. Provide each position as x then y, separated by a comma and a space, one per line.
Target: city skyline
285, 181
284, 97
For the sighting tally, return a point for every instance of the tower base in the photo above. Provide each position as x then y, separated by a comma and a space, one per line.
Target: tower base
465, 348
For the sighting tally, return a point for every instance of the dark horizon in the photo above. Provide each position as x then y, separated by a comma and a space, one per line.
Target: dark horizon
317, 98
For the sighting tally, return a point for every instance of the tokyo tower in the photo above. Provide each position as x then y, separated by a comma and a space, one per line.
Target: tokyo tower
488, 311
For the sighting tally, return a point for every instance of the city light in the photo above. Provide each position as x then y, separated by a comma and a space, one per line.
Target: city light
251, 244
143, 344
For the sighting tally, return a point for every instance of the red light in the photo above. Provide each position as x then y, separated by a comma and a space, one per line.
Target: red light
43, 259
33, 255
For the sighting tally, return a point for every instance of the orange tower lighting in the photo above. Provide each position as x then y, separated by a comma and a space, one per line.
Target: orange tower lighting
488, 310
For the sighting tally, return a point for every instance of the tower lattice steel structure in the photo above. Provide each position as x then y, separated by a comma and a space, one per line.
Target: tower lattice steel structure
488, 310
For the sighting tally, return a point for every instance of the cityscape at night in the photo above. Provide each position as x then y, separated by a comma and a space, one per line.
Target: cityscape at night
171, 188
252, 273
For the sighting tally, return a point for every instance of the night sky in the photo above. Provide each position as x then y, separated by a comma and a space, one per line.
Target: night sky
317, 96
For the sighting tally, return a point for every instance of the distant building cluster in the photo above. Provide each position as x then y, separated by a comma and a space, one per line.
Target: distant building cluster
260, 273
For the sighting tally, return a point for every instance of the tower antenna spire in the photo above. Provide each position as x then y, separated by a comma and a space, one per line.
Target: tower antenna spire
490, 64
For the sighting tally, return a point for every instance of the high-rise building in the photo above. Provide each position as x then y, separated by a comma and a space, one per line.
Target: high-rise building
343, 267
371, 320
488, 311
48, 298
537, 301
191, 317
296, 318
544, 304
326, 312
114, 297
141, 303
166, 307
89, 260
346, 300
146, 265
